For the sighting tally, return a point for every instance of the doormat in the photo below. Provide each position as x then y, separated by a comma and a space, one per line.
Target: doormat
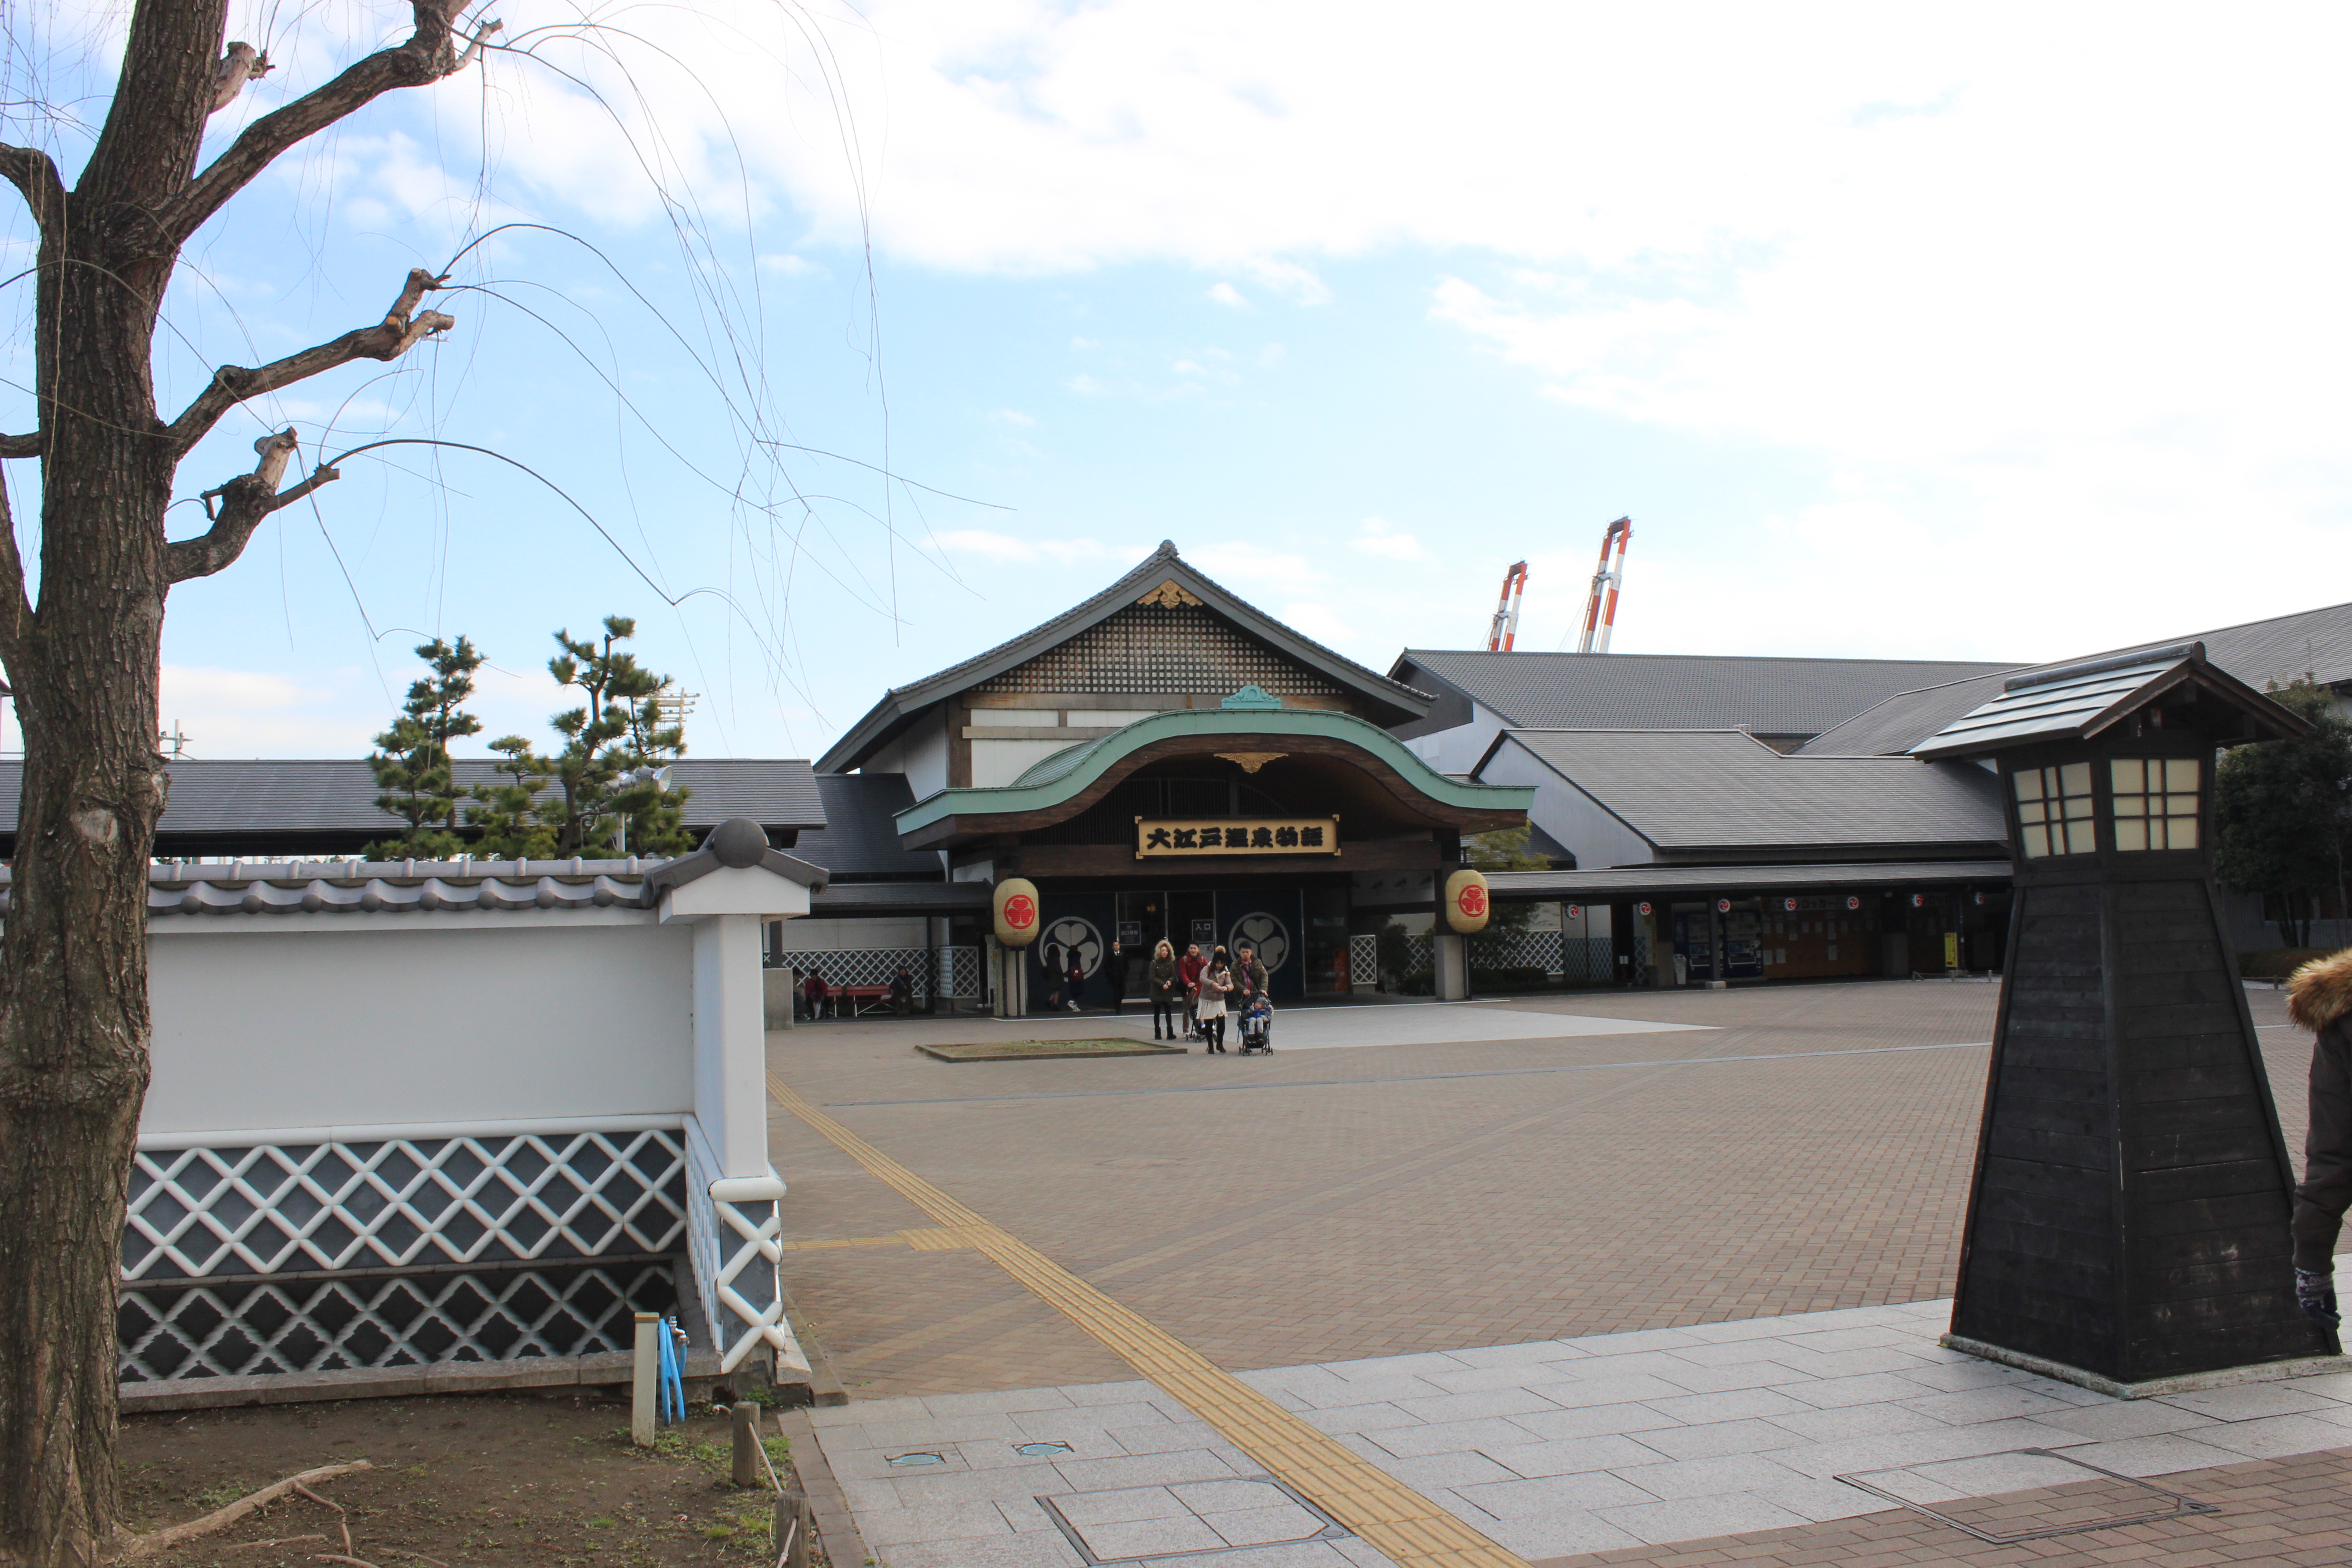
1033, 1050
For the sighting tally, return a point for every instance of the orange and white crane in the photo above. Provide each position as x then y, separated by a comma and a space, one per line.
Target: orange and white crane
1506, 629
1601, 607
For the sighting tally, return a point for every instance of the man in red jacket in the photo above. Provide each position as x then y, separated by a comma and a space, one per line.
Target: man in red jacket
1188, 973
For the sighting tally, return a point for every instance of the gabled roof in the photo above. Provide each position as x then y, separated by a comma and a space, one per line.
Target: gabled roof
1394, 702
1690, 791
2283, 648
2076, 701
1673, 691
328, 807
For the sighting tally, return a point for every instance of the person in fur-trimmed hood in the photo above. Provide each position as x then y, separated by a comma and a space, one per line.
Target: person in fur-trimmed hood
2319, 998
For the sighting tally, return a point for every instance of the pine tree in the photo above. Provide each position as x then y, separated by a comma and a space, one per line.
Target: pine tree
411, 762
2283, 811
598, 790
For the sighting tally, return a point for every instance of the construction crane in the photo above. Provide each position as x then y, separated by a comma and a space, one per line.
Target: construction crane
1599, 612
1506, 629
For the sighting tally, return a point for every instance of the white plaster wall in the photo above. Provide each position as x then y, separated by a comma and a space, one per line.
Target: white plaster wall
1457, 751
1574, 818
920, 753
1001, 762
266, 1029
837, 936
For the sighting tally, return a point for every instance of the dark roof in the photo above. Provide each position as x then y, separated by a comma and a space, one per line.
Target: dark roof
933, 897
859, 840
1673, 691
1632, 881
902, 703
328, 807
2285, 648
2075, 701
1698, 791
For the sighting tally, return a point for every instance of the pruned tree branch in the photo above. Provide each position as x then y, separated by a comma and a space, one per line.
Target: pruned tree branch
387, 340
429, 54
26, 446
242, 63
36, 178
245, 500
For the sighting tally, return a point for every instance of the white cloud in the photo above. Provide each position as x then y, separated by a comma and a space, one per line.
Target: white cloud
1318, 621
1377, 536
1252, 570
249, 713
1014, 416
1226, 294
1004, 547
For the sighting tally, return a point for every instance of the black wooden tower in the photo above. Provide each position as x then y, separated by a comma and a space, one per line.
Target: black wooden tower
2128, 1220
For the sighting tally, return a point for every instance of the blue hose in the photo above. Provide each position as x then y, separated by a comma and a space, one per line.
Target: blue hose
670, 1396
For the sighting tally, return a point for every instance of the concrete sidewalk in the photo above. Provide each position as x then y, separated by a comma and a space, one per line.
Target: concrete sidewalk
1551, 1449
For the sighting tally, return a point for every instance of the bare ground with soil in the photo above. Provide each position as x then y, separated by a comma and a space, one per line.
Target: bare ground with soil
470, 1482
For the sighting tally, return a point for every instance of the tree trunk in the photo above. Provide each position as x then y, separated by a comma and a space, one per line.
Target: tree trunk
73, 956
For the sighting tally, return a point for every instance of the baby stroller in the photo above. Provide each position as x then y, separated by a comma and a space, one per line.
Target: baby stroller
1257, 1026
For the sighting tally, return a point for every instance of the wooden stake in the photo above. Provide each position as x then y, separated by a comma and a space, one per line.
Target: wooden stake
746, 1423
646, 1380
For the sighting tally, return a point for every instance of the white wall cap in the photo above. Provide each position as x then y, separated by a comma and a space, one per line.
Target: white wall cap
748, 1189
735, 891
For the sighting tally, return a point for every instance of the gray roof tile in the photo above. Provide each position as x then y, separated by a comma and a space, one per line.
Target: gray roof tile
859, 841
1694, 791
1675, 691
2282, 650
228, 799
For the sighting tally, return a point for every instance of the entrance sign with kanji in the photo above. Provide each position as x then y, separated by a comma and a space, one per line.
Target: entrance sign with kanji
1236, 836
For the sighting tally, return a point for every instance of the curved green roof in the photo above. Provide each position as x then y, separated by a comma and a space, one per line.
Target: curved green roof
1071, 770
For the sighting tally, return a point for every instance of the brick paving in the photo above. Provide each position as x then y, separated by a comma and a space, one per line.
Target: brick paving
1354, 1203
2287, 1511
1795, 1151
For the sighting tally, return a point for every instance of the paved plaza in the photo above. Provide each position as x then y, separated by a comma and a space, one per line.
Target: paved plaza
1588, 1274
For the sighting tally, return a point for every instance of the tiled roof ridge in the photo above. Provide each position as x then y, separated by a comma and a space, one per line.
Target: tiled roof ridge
352, 887
1983, 667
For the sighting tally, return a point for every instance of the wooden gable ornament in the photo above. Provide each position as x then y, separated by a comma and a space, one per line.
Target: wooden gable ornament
2128, 1227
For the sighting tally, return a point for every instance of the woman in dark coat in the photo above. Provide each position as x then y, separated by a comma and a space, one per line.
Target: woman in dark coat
1167, 990
1074, 984
2319, 998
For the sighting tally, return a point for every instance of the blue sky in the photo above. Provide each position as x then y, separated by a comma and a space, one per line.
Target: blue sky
2002, 335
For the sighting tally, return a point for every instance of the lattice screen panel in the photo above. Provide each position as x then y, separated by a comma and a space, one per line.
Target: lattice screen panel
235, 1329
197, 1212
1161, 651
879, 965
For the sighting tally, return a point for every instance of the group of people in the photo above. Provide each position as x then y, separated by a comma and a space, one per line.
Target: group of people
1207, 991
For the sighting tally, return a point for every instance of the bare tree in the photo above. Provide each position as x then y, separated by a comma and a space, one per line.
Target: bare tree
83, 663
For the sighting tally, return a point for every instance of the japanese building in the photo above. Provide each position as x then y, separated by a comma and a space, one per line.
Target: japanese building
1165, 762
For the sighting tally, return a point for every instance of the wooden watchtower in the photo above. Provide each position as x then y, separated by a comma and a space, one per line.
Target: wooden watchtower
2127, 1225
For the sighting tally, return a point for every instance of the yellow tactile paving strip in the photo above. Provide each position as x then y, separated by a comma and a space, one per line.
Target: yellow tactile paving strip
925, 1240
1413, 1530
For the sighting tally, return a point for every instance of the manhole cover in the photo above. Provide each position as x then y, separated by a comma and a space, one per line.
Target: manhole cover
1187, 1519
1971, 1494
